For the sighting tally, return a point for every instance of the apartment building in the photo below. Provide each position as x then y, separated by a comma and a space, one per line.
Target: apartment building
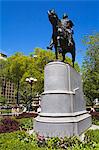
7, 88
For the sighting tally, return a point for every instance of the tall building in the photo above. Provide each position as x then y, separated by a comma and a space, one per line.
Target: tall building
7, 88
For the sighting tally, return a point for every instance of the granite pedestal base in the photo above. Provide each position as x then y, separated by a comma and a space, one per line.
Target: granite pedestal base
63, 111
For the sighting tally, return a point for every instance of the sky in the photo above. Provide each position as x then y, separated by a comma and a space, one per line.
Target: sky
24, 24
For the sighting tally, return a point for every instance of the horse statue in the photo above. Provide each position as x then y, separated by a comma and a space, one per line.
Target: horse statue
60, 37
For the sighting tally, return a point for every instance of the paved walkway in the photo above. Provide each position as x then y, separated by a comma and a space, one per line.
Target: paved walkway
94, 127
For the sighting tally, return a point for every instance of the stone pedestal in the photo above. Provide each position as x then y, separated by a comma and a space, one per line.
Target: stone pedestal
63, 111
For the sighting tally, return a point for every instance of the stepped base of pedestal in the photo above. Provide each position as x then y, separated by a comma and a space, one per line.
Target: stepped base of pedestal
62, 126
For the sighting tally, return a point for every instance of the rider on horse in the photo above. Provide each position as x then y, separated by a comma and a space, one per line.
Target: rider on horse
66, 26
64, 30
62, 37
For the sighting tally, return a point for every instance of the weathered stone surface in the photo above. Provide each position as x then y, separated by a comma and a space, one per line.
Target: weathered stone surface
63, 111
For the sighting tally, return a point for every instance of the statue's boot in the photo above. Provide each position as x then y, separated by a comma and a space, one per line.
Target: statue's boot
49, 47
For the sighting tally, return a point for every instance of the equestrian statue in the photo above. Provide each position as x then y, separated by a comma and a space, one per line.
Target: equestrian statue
62, 36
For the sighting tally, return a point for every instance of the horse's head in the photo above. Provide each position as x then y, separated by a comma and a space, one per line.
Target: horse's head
53, 18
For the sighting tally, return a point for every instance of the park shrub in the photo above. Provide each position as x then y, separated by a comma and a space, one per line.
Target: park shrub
95, 121
8, 124
21, 140
95, 115
92, 136
64, 143
53, 143
90, 142
41, 141
26, 123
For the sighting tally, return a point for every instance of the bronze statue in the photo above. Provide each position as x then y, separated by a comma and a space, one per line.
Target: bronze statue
62, 36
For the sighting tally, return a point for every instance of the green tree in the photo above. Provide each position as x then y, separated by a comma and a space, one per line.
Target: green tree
42, 58
2, 77
90, 68
18, 67
14, 69
3, 100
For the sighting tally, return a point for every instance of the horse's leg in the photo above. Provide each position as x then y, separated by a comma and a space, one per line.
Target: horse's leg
74, 53
73, 56
73, 63
63, 57
56, 52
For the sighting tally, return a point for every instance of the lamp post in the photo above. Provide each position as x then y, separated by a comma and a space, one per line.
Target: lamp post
31, 80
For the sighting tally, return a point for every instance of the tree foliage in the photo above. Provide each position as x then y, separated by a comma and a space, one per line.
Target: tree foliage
18, 67
90, 68
2, 100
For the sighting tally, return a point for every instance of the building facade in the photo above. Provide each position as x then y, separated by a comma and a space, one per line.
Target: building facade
7, 88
